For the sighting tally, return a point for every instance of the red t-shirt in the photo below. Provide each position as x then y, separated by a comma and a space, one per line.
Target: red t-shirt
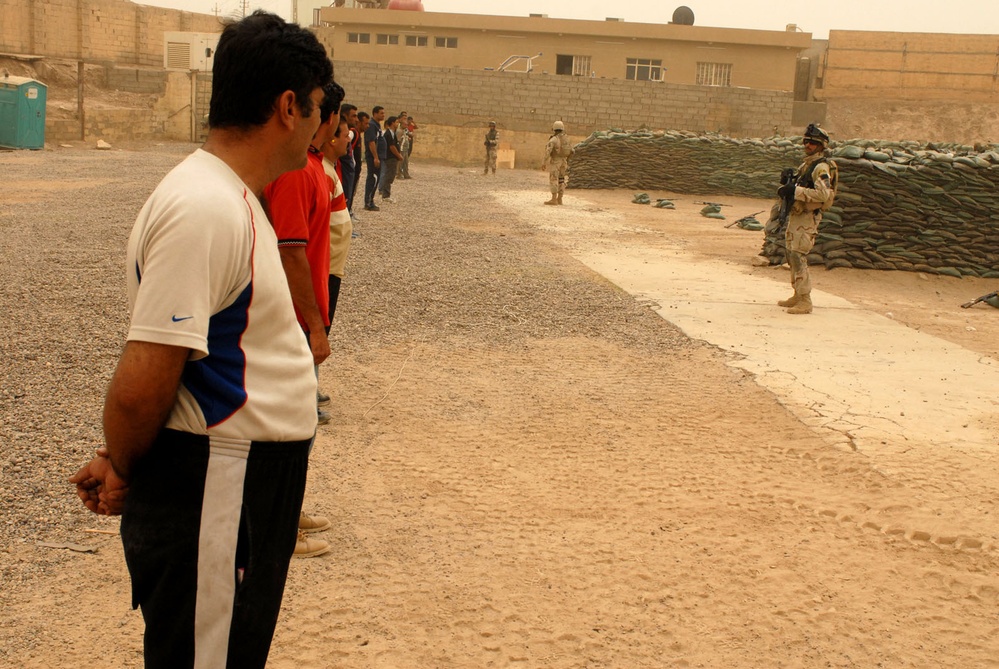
299, 205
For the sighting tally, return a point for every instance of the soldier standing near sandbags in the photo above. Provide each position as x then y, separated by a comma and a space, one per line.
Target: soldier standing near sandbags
813, 190
557, 153
492, 144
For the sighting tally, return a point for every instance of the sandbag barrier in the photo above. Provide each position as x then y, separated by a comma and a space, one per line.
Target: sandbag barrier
901, 205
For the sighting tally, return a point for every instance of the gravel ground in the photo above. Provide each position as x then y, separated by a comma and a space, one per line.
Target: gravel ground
444, 261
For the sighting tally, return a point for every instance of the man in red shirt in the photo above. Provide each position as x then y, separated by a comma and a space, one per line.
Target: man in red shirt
299, 204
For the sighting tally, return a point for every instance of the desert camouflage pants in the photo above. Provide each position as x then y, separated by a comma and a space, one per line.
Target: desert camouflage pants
491, 158
558, 175
800, 238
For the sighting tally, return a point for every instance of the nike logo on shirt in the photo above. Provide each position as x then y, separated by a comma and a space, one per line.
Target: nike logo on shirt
178, 320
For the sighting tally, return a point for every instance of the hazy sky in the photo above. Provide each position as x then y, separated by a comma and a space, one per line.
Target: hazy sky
953, 16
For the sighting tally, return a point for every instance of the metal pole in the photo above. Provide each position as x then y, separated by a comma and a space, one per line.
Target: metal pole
79, 100
194, 106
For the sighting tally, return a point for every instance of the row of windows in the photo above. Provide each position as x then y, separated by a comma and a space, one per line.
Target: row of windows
648, 69
411, 40
637, 69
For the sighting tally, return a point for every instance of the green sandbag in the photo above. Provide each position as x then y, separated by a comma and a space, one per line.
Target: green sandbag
749, 223
641, 198
710, 209
849, 151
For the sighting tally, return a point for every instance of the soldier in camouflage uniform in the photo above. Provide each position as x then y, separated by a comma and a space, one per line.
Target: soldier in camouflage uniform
492, 142
557, 153
814, 188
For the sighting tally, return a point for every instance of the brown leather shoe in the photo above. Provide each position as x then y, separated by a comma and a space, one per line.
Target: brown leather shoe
307, 547
310, 524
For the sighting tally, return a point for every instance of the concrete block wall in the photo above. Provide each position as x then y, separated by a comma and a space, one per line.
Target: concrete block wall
525, 105
15, 28
169, 118
533, 101
914, 66
136, 79
111, 125
94, 30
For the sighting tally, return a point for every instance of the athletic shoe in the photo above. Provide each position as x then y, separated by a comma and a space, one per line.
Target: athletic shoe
323, 417
307, 547
322, 399
371, 207
388, 199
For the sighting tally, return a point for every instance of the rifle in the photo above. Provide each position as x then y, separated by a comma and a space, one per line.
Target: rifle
744, 218
983, 298
786, 177
715, 204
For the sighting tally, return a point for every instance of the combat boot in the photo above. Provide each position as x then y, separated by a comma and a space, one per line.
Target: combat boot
560, 198
804, 306
789, 302
554, 199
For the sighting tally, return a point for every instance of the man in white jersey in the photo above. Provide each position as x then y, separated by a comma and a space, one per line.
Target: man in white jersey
211, 409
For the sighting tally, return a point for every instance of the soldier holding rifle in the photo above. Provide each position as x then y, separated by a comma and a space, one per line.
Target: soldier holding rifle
804, 198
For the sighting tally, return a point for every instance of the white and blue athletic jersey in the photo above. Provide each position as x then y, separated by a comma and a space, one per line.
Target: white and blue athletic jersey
204, 273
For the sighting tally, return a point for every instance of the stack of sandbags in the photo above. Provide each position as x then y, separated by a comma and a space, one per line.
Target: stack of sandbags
900, 205
682, 162
923, 208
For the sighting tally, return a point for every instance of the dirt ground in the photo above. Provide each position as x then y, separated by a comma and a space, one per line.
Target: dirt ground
529, 467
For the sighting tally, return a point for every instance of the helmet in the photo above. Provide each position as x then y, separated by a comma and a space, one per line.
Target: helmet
492, 123
558, 125
817, 134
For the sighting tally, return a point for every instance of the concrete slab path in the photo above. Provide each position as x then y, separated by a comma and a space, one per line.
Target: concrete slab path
866, 381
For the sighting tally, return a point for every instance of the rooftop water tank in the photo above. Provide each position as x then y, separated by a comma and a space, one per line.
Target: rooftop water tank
411, 5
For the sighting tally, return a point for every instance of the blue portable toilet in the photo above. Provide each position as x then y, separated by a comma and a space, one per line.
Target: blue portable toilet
22, 113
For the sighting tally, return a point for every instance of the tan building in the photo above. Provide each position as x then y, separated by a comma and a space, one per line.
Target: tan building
612, 49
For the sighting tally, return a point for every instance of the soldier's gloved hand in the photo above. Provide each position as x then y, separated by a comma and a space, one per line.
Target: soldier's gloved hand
786, 191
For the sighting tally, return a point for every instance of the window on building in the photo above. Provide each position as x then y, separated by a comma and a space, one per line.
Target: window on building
714, 74
359, 38
644, 69
574, 65
416, 40
387, 39
446, 42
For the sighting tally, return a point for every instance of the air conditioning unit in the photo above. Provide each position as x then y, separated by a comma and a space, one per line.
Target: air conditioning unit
189, 51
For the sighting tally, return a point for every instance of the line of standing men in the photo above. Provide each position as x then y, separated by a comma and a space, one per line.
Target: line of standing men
388, 145
211, 412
